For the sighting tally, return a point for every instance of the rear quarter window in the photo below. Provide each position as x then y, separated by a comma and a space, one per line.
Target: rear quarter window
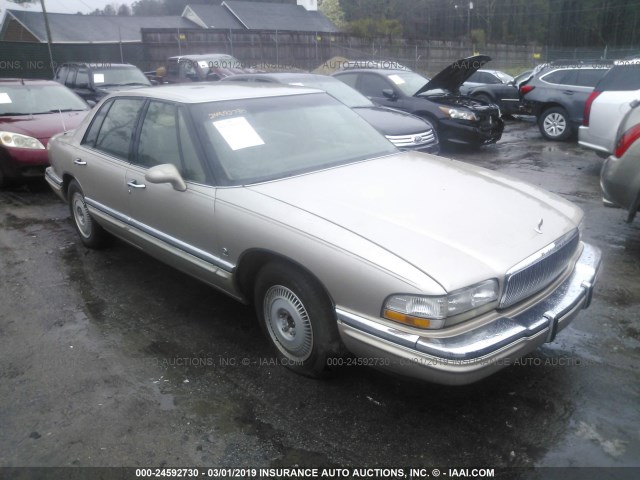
590, 77
620, 78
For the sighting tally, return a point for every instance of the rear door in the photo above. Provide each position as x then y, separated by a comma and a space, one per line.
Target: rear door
100, 162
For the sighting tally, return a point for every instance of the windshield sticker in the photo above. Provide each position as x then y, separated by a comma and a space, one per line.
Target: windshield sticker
297, 84
227, 113
203, 64
98, 78
396, 79
4, 98
238, 133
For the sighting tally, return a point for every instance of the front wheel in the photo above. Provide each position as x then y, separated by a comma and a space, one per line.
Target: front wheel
554, 124
298, 318
91, 234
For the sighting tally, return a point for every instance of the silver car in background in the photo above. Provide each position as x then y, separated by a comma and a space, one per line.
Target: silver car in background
285, 198
620, 175
607, 105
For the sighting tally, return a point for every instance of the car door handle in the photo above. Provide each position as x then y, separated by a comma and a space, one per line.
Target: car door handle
134, 184
568, 92
79, 161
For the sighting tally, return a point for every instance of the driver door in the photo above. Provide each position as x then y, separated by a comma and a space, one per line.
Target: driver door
176, 226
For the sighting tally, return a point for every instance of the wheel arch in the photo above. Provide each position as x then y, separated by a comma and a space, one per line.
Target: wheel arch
253, 260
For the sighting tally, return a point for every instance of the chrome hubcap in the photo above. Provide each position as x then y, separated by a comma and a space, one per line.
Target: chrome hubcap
288, 323
81, 216
555, 124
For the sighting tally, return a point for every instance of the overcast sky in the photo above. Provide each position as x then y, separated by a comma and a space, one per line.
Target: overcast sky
64, 6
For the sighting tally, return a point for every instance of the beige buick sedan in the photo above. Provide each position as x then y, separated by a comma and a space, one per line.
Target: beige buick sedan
285, 198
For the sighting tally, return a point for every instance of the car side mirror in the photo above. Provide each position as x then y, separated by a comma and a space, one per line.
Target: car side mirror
166, 173
389, 93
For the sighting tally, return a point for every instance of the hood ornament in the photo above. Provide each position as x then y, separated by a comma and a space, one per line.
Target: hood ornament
538, 229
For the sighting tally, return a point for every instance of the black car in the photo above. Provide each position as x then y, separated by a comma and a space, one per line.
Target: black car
556, 94
458, 119
92, 81
405, 131
505, 95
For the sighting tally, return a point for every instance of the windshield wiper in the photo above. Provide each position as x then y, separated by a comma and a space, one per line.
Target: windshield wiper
135, 83
14, 114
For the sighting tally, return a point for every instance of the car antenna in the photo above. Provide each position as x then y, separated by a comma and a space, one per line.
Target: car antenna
64, 127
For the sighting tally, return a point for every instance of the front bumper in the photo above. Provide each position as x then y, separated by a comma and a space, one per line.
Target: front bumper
470, 356
455, 131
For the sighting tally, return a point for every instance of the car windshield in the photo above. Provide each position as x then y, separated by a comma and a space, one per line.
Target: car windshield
408, 82
255, 140
337, 89
118, 76
34, 99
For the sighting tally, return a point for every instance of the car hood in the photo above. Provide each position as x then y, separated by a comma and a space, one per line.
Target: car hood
393, 122
457, 223
44, 126
452, 77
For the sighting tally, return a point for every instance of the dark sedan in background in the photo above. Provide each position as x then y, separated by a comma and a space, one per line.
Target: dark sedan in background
405, 131
505, 95
458, 119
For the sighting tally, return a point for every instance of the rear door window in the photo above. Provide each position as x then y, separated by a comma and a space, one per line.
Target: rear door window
621, 78
589, 77
117, 128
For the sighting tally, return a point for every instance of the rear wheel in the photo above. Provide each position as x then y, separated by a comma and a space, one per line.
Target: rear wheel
554, 124
91, 234
297, 318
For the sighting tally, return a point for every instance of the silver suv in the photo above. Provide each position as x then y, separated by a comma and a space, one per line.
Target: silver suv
556, 94
607, 105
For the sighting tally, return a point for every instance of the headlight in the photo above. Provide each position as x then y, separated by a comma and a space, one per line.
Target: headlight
431, 311
459, 114
15, 140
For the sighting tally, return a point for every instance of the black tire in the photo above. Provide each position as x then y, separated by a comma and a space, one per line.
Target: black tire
554, 124
91, 234
297, 318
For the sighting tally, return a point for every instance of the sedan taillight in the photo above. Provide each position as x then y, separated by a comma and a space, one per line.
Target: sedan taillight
626, 140
587, 107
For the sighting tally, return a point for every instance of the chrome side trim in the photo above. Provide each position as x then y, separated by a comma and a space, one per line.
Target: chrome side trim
163, 237
552, 314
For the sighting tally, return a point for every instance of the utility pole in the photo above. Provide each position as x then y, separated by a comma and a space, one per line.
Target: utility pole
46, 26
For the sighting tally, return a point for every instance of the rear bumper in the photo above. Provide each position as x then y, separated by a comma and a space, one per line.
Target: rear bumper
470, 356
54, 182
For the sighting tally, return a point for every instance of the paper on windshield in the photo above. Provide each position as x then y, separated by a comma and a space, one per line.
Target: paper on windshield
98, 78
397, 79
4, 98
203, 64
238, 133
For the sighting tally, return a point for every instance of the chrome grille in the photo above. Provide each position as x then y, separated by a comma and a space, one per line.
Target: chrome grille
415, 140
539, 270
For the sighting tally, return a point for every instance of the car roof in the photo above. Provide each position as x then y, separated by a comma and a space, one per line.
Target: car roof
383, 71
27, 81
282, 76
98, 64
217, 91
200, 56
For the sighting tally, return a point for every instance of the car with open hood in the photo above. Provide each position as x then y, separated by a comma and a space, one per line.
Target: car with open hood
31, 112
458, 118
405, 131
285, 198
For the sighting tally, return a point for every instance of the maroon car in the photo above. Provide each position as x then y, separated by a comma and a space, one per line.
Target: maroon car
31, 112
